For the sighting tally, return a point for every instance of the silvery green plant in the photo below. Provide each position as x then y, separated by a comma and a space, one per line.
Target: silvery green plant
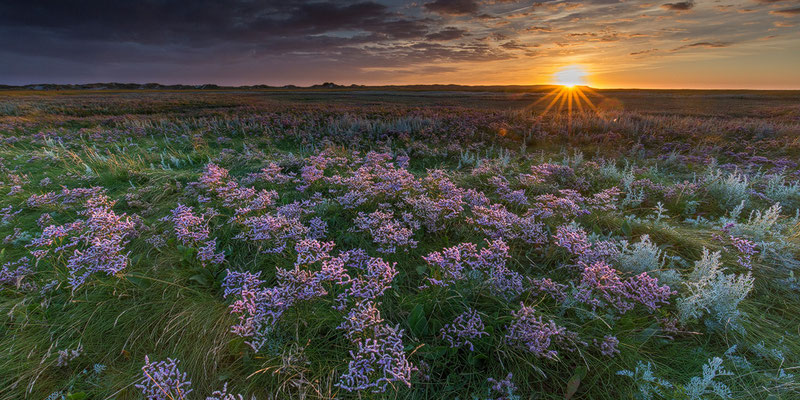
760, 224
712, 293
700, 386
642, 256
730, 189
781, 191
647, 383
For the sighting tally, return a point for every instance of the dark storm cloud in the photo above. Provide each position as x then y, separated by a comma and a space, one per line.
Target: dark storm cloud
679, 6
453, 7
203, 21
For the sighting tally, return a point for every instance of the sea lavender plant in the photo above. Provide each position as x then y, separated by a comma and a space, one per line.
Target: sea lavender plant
162, 380
387, 232
503, 389
601, 285
529, 331
97, 242
67, 355
362, 319
465, 328
608, 347
15, 274
378, 362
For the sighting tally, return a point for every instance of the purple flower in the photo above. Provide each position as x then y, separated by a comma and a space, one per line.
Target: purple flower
531, 333
504, 389
65, 356
601, 285
163, 380
497, 222
746, 248
555, 290
466, 327
15, 274
378, 362
97, 243
362, 319
608, 347
310, 251
455, 263
373, 276
193, 231
272, 233
386, 231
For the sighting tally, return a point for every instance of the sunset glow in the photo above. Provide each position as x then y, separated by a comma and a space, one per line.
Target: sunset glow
570, 76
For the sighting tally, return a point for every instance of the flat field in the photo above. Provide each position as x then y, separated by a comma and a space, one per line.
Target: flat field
404, 243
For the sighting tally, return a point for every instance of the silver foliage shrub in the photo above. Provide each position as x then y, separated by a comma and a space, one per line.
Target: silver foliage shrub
712, 293
642, 256
730, 189
700, 386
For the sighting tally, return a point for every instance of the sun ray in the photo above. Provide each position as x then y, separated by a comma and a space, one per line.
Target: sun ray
560, 92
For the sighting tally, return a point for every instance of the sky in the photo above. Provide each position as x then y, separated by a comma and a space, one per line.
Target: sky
751, 44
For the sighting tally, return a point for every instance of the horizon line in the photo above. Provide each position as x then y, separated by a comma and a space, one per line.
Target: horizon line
332, 85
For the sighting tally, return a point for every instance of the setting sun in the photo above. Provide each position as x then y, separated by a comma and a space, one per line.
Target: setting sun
570, 76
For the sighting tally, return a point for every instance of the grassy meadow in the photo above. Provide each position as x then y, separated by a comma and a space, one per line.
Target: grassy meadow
399, 243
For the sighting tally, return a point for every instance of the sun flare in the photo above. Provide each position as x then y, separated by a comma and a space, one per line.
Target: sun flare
570, 76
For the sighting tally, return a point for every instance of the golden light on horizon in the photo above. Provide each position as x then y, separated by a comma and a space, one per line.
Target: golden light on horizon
570, 95
570, 76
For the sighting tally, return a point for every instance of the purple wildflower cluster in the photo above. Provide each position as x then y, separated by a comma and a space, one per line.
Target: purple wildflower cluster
7, 214
67, 355
503, 189
601, 285
388, 232
65, 198
576, 242
272, 233
15, 274
461, 262
503, 389
97, 242
259, 309
376, 179
224, 395
442, 201
377, 362
746, 249
555, 290
272, 173
361, 320
244, 200
573, 204
372, 276
530, 332
466, 327
193, 231
162, 380
496, 222
608, 347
